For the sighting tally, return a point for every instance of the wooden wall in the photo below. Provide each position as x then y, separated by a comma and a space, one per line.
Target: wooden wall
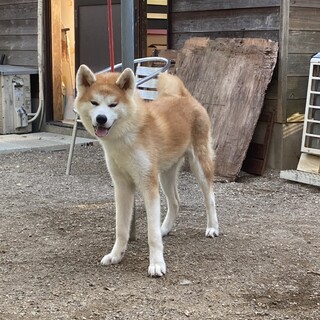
18, 32
223, 18
303, 42
295, 24
230, 19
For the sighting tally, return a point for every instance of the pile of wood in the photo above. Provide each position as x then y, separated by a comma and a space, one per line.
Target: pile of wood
229, 77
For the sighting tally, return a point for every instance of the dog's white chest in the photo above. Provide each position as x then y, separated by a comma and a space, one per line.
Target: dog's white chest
129, 161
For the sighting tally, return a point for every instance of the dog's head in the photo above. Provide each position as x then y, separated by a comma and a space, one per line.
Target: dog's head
102, 99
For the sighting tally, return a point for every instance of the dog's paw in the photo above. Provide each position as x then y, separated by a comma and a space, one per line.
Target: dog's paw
212, 232
110, 259
157, 269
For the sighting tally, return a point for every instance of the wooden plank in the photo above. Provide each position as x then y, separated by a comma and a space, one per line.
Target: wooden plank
21, 58
178, 39
56, 60
300, 176
227, 20
305, 3
304, 42
18, 27
18, 10
304, 18
256, 150
21, 42
282, 62
298, 65
297, 87
229, 77
9, 2
203, 5
157, 2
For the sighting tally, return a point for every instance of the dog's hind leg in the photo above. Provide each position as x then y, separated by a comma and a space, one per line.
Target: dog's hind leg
124, 195
201, 164
168, 180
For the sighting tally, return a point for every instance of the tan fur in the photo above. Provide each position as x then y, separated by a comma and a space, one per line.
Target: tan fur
145, 140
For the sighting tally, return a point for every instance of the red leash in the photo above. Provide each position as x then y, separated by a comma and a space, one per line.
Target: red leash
110, 31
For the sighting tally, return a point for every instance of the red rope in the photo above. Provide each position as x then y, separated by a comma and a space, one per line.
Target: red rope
110, 31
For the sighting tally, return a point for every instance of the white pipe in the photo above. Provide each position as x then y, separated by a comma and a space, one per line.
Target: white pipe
40, 63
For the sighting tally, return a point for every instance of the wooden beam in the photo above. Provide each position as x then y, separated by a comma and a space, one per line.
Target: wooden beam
56, 60
302, 177
283, 61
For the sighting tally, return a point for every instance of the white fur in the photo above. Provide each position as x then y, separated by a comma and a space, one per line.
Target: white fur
135, 157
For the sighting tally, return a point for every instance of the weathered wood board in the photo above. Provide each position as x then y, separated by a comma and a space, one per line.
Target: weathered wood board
229, 77
18, 32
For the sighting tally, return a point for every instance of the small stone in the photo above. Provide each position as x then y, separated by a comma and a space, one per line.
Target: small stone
185, 282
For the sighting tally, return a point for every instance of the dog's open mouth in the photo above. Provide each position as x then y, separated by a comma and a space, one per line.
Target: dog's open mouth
101, 131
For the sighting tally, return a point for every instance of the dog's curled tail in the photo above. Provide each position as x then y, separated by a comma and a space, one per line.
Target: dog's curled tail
170, 85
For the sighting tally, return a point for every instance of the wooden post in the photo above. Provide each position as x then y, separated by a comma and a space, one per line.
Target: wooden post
283, 61
56, 60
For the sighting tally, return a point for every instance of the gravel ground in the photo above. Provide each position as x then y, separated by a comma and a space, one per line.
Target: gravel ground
55, 229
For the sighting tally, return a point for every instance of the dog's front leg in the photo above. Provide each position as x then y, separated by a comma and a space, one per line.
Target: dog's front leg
157, 266
124, 195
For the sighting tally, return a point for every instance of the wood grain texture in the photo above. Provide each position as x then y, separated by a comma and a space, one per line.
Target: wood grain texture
18, 42
18, 27
283, 60
229, 77
9, 2
21, 58
56, 53
298, 64
18, 32
305, 3
198, 5
304, 18
17, 10
227, 20
304, 41
178, 39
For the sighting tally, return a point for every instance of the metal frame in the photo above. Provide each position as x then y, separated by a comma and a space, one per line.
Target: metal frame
142, 60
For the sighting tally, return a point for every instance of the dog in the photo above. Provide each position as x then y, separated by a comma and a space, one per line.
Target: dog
144, 143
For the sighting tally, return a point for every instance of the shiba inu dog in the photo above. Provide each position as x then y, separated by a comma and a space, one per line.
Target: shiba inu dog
144, 143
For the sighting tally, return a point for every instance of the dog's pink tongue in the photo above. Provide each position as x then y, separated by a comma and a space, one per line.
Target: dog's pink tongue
101, 132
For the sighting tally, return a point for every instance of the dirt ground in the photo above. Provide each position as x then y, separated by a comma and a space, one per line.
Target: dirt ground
55, 229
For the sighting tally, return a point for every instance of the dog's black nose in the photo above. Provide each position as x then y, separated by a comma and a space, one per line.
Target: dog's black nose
101, 119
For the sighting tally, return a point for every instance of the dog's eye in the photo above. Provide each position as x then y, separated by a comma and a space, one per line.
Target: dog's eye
112, 105
95, 103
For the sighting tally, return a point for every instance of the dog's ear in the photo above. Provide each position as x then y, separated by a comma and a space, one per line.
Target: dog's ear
85, 78
126, 81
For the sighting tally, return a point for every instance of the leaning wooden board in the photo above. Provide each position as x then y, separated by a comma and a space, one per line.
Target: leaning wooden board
229, 77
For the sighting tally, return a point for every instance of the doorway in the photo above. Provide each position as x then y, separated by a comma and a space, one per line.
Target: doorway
91, 32
79, 35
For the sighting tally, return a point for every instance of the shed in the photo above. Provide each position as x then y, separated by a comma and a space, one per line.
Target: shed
295, 24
